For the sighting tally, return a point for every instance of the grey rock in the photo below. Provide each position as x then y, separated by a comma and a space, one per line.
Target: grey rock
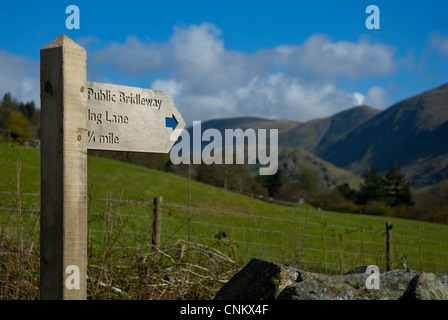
361, 269
443, 278
425, 286
319, 288
260, 280
266, 280
350, 287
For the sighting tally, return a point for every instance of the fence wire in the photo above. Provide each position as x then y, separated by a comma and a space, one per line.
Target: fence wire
286, 240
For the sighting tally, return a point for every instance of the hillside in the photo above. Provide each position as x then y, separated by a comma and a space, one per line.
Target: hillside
344, 122
305, 135
107, 177
411, 133
325, 131
297, 140
254, 227
294, 160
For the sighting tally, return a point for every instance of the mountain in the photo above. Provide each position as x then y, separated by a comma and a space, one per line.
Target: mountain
291, 133
344, 122
297, 140
412, 133
306, 135
294, 160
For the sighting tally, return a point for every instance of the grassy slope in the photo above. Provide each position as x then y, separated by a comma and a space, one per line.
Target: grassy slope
113, 179
327, 175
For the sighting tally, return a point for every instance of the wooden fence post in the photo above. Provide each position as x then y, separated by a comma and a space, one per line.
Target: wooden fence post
157, 223
323, 238
63, 226
302, 241
420, 246
443, 256
360, 228
389, 263
295, 235
181, 253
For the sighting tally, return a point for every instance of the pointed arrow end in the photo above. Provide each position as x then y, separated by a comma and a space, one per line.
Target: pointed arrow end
171, 122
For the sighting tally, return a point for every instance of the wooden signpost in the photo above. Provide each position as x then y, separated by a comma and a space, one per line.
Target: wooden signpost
77, 115
124, 118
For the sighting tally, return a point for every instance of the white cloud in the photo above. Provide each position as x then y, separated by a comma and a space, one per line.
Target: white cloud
296, 82
358, 98
197, 51
439, 42
326, 58
19, 76
377, 98
171, 86
206, 80
88, 42
132, 58
277, 96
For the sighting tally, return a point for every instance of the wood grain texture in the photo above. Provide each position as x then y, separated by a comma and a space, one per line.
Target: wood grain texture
63, 168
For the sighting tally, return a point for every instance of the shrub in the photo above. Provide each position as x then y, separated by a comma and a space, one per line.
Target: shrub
19, 126
350, 207
377, 208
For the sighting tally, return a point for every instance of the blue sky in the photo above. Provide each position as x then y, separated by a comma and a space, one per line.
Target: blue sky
296, 60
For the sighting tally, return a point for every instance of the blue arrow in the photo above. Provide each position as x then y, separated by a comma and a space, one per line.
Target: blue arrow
171, 122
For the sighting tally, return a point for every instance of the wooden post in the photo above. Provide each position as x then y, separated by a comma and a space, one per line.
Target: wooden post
157, 223
181, 251
63, 227
302, 240
341, 252
295, 236
420, 247
361, 239
443, 256
323, 238
389, 263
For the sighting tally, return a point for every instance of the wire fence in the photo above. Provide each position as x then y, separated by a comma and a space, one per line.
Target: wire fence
303, 237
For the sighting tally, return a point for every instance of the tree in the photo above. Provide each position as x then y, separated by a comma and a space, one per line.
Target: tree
373, 186
347, 192
235, 177
308, 179
7, 97
19, 126
272, 183
9, 103
28, 109
397, 189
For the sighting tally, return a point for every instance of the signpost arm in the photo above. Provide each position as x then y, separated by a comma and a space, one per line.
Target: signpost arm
63, 265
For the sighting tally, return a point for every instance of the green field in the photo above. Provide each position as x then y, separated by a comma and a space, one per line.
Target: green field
288, 234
